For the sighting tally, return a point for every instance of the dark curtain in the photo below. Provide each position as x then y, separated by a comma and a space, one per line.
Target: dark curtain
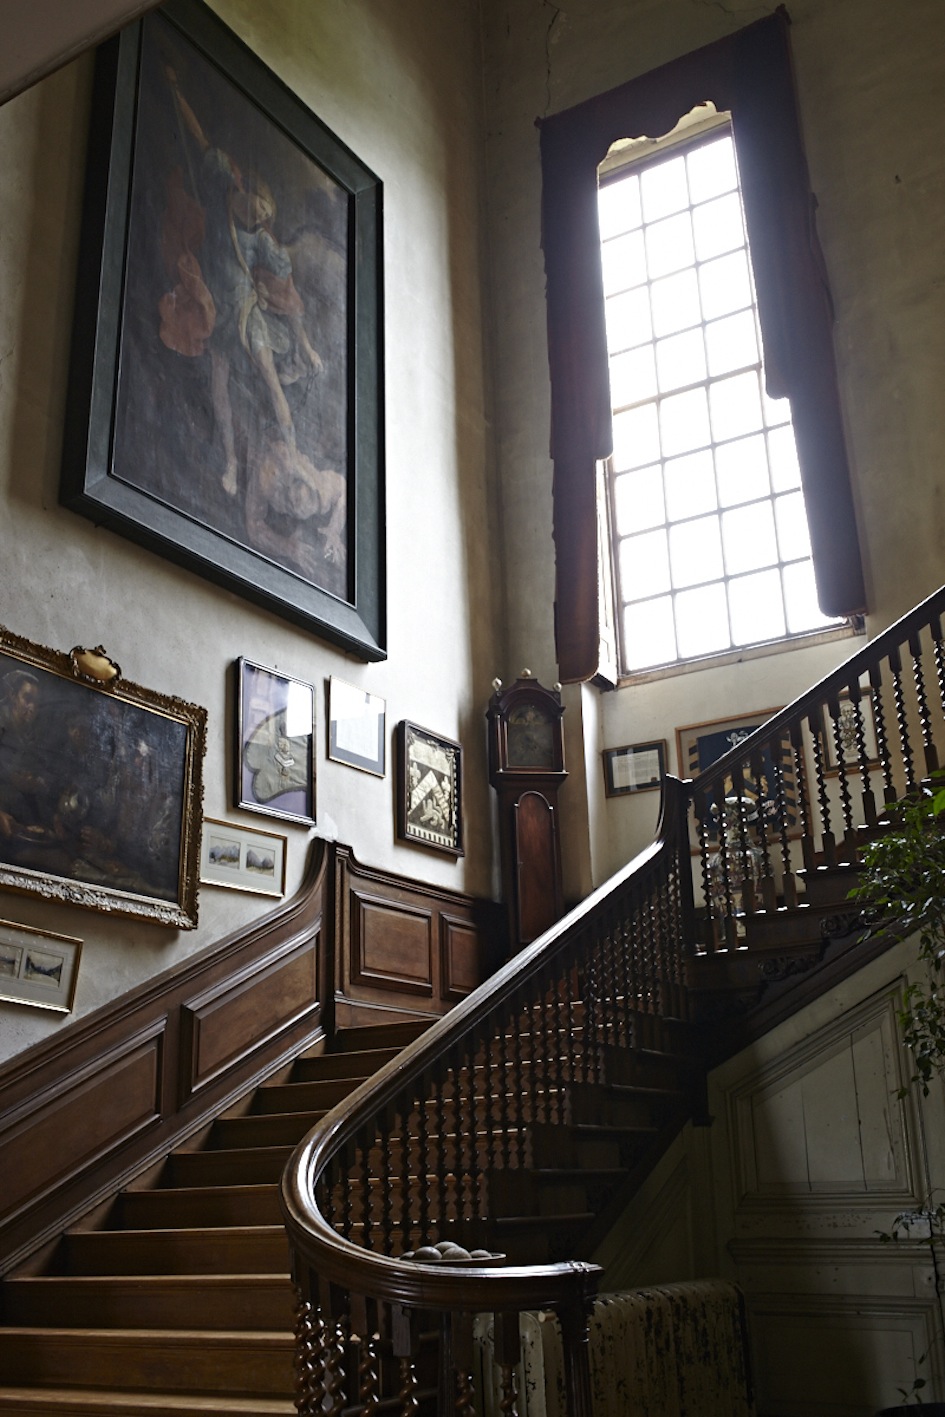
749, 74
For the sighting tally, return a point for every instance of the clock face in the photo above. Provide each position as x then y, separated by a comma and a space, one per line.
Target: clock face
530, 738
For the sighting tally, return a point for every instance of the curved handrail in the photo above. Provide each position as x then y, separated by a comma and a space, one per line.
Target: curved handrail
567, 978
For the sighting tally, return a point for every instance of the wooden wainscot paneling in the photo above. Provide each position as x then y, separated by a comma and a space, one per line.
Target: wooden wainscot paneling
230, 1021
109, 1094
391, 946
403, 944
67, 1127
460, 956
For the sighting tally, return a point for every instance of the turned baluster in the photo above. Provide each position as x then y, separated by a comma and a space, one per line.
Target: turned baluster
543, 1059
575, 1350
386, 1168
782, 812
827, 841
518, 1085
443, 1159
925, 716
406, 1150
867, 798
840, 745
348, 1154
665, 974
591, 1010
489, 1091
504, 1083
362, 1173
935, 627
899, 699
422, 1207
460, 1165
369, 1396
475, 1166
573, 1048
561, 1046
766, 796
309, 1362
507, 1355
700, 808
336, 1333
626, 973
404, 1344
745, 878
727, 898
462, 1347
802, 805
882, 737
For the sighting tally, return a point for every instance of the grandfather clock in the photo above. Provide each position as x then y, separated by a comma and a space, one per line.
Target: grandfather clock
526, 768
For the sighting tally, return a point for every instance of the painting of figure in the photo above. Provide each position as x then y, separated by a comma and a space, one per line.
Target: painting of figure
231, 399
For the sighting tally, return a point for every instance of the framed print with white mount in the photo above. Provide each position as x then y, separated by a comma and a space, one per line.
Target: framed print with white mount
639, 767
38, 967
429, 789
242, 858
225, 403
275, 734
356, 727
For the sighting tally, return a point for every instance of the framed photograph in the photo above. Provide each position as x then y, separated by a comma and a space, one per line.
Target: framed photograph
100, 786
37, 967
242, 858
225, 396
429, 789
848, 720
356, 727
700, 745
639, 767
275, 734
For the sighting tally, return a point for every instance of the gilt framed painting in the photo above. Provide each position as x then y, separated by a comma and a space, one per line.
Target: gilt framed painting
100, 786
225, 400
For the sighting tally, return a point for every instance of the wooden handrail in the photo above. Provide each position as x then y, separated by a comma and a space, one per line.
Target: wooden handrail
414, 1153
572, 990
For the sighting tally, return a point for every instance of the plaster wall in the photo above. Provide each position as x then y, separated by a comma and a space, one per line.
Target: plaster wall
869, 81
398, 82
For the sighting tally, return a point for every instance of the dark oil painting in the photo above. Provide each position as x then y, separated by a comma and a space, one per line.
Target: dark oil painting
232, 386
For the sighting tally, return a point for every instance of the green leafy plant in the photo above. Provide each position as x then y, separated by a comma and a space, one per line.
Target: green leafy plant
902, 888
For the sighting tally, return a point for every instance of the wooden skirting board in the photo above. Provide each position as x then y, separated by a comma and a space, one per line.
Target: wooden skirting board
114, 1092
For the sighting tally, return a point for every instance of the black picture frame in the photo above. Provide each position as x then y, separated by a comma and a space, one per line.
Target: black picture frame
225, 402
101, 786
429, 789
637, 767
275, 741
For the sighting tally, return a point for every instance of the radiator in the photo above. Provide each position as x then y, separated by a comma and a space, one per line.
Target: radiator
673, 1350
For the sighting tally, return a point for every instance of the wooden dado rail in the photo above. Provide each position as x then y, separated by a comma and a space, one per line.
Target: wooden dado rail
95, 1103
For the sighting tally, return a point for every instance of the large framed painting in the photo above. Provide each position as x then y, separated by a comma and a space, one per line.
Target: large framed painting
100, 786
700, 745
225, 399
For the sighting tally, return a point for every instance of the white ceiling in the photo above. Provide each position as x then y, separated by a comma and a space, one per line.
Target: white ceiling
41, 35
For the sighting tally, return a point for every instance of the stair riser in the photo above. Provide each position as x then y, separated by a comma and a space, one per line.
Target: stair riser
166, 1210
175, 1252
247, 1167
149, 1303
199, 1363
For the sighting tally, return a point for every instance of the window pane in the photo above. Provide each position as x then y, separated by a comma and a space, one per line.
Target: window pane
718, 227
749, 538
636, 438
648, 634
742, 470
684, 422
680, 360
731, 343
628, 320
695, 550
725, 285
736, 406
800, 598
756, 608
632, 376
664, 189
618, 206
644, 565
690, 485
675, 303
638, 500
711, 169
793, 534
776, 410
702, 621
623, 262
669, 245
782, 450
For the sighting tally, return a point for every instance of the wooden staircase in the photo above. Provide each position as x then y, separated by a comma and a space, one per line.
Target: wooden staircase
175, 1296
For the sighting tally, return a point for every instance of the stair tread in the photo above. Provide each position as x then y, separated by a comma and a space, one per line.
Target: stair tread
46, 1399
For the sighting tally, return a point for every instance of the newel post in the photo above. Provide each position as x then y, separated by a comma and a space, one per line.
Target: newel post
577, 1368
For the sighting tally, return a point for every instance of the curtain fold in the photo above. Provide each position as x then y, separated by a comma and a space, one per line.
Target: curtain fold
749, 74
